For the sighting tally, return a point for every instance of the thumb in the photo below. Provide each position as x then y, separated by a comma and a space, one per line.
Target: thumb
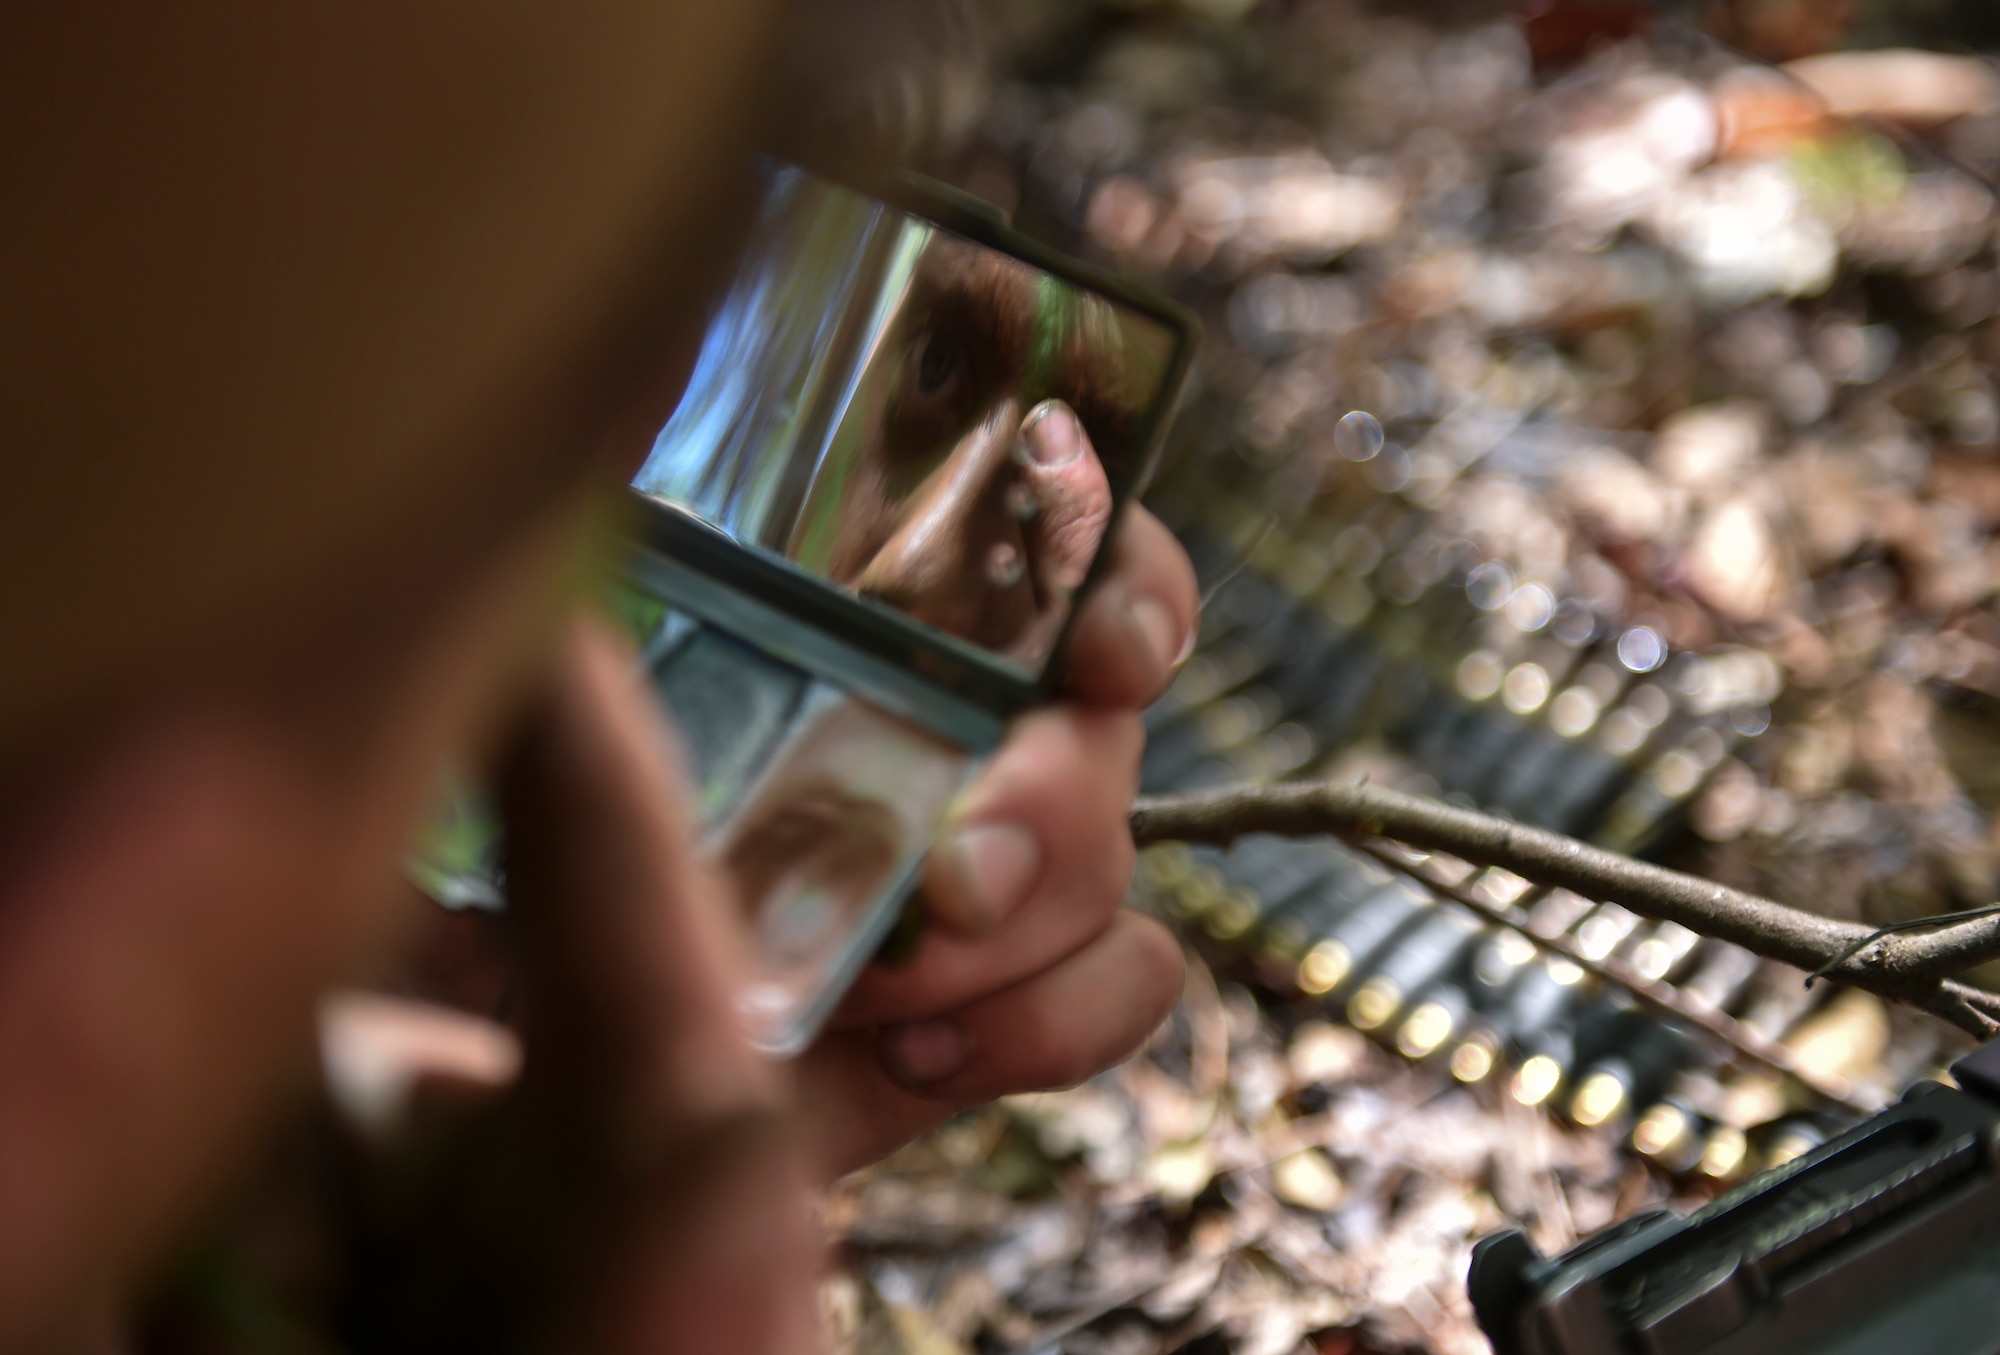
629, 965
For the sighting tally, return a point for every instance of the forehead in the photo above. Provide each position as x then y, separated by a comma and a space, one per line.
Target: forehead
993, 296
952, 261
1052, 333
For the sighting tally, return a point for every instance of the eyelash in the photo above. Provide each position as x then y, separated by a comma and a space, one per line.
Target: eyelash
934, 347
928, 406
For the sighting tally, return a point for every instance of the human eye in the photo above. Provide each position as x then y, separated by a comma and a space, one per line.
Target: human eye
936, 389
937, 360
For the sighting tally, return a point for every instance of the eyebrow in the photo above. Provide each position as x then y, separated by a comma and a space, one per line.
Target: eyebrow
1057, 308
983, 293
1066, 342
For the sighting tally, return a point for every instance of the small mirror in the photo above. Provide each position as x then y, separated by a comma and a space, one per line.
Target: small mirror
902, 402
923, 418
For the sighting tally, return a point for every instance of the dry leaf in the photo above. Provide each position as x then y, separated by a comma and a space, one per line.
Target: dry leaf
1307, 1180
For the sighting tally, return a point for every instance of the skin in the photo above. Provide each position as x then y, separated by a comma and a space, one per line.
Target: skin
817, 842
624, 1010
237, 697
1050, 988
974, 440
1062, 982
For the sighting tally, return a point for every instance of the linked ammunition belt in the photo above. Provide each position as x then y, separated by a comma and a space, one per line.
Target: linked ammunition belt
1385, 647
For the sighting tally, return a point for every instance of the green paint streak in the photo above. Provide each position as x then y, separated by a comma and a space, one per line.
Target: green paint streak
1058, 309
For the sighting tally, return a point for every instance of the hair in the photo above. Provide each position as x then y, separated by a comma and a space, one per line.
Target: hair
883, 80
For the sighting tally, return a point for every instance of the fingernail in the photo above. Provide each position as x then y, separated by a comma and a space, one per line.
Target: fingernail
996, 864
1052, 434
1164, 636
925, 1052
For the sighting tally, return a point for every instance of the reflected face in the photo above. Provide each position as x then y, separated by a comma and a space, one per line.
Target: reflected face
923, 419
977, 493
836, 821
808, 860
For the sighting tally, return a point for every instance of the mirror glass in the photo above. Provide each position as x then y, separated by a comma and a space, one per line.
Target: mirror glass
923, 420
818, 806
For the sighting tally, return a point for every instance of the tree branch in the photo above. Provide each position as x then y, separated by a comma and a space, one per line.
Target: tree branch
1910, 969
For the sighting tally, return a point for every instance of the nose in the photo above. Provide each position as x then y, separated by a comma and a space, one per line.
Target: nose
958, 559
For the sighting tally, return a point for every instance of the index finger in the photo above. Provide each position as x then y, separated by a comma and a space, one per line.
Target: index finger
1137, 625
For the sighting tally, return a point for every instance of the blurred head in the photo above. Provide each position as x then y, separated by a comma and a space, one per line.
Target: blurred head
327, 332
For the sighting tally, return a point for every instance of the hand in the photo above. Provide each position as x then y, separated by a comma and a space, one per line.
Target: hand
640, 1184
1034, 977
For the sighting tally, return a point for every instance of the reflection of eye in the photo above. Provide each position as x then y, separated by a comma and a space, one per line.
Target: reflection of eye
935, 394
936, 362
938, 370
808, 862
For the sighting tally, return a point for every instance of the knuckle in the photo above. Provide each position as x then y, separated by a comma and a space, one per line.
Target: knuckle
1094, 889
1075, 1065
1058, 1057
1105, 748
1117, 863
1126, 740
1160, 960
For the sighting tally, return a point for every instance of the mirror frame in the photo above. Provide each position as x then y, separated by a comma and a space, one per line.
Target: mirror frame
870, 634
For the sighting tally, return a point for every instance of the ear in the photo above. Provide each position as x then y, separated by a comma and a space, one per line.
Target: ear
165, 925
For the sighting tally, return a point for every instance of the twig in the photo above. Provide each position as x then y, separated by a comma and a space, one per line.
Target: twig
1953, 946
1947, 1002
1906, 969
